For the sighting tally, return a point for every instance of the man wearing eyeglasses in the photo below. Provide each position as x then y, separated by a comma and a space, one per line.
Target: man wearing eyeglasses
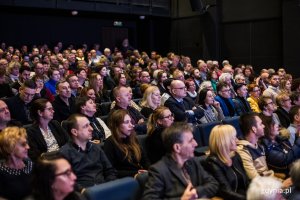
183, 107
19, 105
225, 100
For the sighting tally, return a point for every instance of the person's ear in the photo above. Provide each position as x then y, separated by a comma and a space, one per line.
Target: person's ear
74, 132
39, 113
176, 148
254, 129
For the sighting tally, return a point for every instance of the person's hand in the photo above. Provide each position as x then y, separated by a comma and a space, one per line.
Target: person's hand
190, 193
96, 141
141, 121
287, 183
216, 104
142, 171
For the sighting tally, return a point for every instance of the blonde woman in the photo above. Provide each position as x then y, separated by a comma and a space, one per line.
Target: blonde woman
150, 101
225, 164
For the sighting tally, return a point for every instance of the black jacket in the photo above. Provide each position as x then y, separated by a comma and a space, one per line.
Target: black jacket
283, 116
37, 142
62, 110
281, 153
154, 145
230, 187
122, 164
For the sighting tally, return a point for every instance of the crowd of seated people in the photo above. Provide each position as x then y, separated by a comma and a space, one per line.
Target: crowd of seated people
91, 107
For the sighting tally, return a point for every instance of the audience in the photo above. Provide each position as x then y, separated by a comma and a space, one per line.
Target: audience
225, 100
284, 104
273, 89
178, 169
16, 168
4, 115
240, 101
254, 94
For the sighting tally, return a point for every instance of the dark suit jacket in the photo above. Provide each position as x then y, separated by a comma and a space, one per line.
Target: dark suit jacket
36, 140
179, 110
283, 116
62, 111
16, 107
241, 106
167, 182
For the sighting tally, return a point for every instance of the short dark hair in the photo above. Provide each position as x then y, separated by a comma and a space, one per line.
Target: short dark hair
173, 135
247, 121
24, 68
295, 96
80, 101
293, 111
28, 84
262, 102
202, 96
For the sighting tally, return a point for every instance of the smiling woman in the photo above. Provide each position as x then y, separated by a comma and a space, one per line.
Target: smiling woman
15, 170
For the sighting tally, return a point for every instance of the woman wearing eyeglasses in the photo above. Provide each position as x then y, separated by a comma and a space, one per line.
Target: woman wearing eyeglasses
45, 134
160, 119
254, 92
54, 180
16, 168
122, 147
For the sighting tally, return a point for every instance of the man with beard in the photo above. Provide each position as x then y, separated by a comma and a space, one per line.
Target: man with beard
273, 89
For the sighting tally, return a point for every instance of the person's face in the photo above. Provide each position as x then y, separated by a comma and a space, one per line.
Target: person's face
122, 80
103, 71
155, 97
145, 77
3, 64
242, 91
154, 66
64, 177
124, 96
180, 76
167, 119
117, 70
233, 145
214, 75
192, 86
21, 149
275, 129
82, 74
197, 73
84, 129
25, 75
270, 105
47, 114
187, 146
15, 71
55, 75
209, 100
163, 77
274, 81
73, 81
99, 81
286, 102
2, 79
39, 83
90, 107
46, 67
39, 69
247, 72
227, 81
297, 101
288, 85
255, 92
241, 80
259, 127
26, 94
64, 90
91, 94
4, 112
80, 53
225, 92
179, 90
126, 127
61, 70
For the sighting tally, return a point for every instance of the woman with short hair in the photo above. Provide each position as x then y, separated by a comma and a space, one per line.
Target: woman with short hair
15, 168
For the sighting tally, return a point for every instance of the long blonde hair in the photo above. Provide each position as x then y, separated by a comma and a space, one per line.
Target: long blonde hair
220, 141
146, 100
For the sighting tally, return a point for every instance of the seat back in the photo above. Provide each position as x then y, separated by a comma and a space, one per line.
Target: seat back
234, 121
120, 189
105, 108
142, 179
205, 129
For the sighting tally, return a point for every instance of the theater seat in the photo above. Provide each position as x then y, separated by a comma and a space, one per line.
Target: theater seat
120, 189
205, 129
234, 121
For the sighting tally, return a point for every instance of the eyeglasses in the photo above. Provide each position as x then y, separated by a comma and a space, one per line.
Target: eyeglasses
255, 90
286, 99
168, 116
226, 90
270, 103
182, 88
67, 173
